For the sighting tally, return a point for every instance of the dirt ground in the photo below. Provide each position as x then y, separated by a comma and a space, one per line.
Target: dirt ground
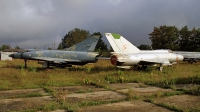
121, 97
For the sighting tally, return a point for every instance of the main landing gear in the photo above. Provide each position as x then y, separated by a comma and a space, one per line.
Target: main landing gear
160, 67
138, 67
25, 63
144, 67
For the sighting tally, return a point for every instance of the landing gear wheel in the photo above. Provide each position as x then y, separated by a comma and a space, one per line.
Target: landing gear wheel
160, 68
137, 67
25, 63
144, 67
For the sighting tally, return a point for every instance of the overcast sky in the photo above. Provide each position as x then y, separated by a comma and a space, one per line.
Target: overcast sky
35, 23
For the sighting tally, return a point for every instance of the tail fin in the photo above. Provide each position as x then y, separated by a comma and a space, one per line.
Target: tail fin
88, 44
120, 44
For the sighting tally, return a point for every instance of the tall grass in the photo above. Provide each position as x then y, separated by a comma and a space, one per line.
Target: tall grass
13, 75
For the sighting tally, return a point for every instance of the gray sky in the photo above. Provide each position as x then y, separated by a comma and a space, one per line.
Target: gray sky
35, 23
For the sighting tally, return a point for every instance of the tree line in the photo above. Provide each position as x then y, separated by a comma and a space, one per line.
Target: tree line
163, 37
170, 37
7, 46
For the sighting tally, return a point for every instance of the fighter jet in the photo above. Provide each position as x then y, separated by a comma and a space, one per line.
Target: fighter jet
79, 54
126, 54
191, 57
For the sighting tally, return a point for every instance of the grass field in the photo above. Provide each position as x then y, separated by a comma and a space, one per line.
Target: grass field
14, 76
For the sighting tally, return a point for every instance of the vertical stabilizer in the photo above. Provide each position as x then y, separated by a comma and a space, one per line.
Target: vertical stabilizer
120, 44
88, 44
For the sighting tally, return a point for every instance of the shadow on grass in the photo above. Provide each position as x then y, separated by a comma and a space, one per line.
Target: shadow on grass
95, 69
189, 80
19, 67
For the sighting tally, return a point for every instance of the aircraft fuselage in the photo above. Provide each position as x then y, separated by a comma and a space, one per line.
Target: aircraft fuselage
144, 58
53, 56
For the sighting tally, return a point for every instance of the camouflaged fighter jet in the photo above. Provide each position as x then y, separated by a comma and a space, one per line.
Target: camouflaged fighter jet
79, 54
126, 54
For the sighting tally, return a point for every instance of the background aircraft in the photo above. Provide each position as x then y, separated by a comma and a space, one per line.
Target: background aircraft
79, 54
126, 54
191, 57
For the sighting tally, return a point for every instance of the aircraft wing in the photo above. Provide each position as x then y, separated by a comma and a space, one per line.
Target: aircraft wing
156, 61
55, 60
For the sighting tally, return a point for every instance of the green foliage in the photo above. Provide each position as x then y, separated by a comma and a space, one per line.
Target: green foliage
164, 37
131, 95
28, 95
87, 81
3, 47
99, 74
194, 90
60, 95
168, 83
48, 107
77, 35
17, 47
73, 37
144, 47
49, 49
88, 69
32, 68
85, 91
101, 45
170, 37
109, 79
193, 109
171, 107
92, 103
23, 72
185, 39
116, 77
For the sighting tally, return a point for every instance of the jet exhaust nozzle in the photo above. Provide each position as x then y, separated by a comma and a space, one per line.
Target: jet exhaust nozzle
113, 60
11, 55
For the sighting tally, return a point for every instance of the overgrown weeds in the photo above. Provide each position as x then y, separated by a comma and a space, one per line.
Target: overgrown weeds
100, 75
193, 90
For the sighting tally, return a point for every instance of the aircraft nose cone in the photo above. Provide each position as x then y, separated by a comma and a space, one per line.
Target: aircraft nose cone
11, 55
180, 58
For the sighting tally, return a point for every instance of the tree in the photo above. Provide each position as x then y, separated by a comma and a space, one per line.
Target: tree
73, 37
3, 47
164, 37
144, 47
195, 40
101, 45
17, 47
185, 39
77, 35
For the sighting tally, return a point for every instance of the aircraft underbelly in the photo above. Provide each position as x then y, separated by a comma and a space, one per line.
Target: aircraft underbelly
143, 59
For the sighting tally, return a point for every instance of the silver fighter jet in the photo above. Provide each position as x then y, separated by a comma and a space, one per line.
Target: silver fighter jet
79, 54
191, 57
